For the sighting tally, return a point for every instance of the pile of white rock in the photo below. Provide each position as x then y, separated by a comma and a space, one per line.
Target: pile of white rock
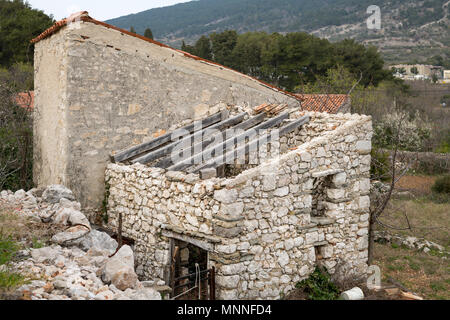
82, 263
409, 242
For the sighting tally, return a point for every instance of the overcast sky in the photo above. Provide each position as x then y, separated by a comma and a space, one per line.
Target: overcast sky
98, 9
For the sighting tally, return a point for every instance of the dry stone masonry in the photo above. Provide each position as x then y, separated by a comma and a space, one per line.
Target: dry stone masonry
265, 228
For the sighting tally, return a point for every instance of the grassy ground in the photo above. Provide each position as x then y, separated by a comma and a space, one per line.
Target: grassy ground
17, 232
429, 216
427, 275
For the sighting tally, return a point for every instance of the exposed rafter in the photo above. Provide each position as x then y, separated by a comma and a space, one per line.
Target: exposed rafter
229, 143
155, 143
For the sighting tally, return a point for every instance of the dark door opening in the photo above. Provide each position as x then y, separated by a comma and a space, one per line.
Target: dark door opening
190, 278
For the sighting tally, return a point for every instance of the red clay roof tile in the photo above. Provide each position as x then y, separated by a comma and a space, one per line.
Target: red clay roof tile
330, 103
25, 99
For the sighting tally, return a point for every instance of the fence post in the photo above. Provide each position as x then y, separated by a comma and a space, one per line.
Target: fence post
212, 284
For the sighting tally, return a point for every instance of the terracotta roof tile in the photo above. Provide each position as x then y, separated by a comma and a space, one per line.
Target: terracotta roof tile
330, 103
84, 16
25, 99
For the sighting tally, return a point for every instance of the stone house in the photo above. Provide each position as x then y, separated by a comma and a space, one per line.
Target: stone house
264, 226
104, 93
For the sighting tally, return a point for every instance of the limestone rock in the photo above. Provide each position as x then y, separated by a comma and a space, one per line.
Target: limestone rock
98, 240
146, 294
54, 193
71, 234
47, 254
119, 269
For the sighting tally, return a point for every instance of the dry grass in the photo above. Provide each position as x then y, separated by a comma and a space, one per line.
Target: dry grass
23, 229
428, 219
417, 184
426, 275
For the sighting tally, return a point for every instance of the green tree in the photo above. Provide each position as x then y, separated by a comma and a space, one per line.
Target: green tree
187, 48
19, 23
361, 60
132, 30
203, 49
414, 70
148, 33
223, 45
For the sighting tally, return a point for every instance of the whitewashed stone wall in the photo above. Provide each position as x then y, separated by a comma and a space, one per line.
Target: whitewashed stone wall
257, 226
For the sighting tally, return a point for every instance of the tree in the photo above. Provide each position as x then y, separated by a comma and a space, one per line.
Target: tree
16, 128
132, 30
414, 70
19, 23
148, 33
223, 45
203, 49
360, 59
187, 48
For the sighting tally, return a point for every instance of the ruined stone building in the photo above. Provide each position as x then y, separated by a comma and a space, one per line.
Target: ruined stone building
108, 105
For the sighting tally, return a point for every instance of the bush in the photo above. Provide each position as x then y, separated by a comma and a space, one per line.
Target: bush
379, 167
319, 286
8, 249
442, 185
16, 129
400, 129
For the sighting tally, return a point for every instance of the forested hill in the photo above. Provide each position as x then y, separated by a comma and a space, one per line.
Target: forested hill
418, 28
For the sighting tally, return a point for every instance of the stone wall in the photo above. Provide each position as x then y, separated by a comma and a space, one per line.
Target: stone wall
99, 90
257, 226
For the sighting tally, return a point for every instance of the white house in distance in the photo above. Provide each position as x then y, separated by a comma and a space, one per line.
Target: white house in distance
417, 71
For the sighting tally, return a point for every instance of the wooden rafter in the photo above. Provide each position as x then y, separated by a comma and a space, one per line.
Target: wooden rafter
233, 154
155, 143
207, 142
189, 140
229, 143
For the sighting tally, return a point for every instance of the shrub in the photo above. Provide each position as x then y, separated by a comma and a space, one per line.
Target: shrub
319, 286
400, 129
379, 167
442, 185
16, 129
10, 280
8, 249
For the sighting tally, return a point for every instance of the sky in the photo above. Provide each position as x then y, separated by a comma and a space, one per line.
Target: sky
98, 9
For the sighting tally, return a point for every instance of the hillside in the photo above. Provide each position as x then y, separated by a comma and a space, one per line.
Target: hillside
410, 30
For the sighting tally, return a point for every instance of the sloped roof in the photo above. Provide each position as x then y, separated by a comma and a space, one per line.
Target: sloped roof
84, 16
25, 99
330, 103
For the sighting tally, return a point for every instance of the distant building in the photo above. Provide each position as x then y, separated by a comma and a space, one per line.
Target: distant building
423, 72
446, 77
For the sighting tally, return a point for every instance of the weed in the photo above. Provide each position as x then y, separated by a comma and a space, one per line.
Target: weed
438, 286
415, 266
319, 286
442, 185
10, 280
37, 244
8, 249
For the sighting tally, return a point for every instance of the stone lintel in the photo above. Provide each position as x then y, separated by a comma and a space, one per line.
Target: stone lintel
326, 173
323, 221
205, 245
308, 228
